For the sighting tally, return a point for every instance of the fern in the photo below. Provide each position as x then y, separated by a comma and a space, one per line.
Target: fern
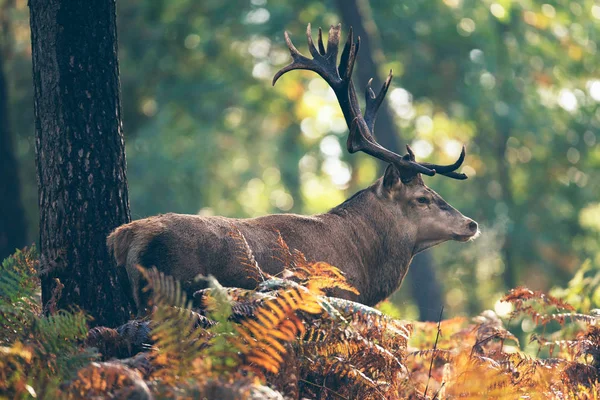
519, 296
245, 256
224, 344
315, 276
276, 323
177, 337
19, 294
42, 351
59, 338
110, 379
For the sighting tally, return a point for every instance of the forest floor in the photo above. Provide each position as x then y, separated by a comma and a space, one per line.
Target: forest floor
288, 340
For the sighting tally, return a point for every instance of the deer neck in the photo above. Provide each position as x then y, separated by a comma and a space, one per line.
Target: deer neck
381, 244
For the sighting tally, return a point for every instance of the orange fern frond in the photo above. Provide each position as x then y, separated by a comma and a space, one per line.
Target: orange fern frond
276, 323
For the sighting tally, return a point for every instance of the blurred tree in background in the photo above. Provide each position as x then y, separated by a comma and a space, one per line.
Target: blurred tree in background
206, 133
13, 228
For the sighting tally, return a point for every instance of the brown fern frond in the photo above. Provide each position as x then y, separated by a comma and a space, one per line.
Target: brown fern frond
283, 253
590, 345
108, 342
574, 348
368, 317
490, 327
443, 355
578, 374
108, 379
291, 259
245, 256
343, 378
353, 347
520, 295
543, 319
344, 369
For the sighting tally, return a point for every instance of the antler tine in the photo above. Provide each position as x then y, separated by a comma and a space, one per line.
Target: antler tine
311, 45
411, 153
349, 56
448, 170
456, 175
320, 41
373, 102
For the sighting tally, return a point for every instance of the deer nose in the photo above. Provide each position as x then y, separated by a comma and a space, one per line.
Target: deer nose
472, 226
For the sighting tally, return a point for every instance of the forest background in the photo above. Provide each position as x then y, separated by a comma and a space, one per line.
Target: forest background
207, 133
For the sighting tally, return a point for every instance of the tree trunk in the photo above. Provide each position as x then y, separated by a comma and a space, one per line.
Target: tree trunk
80, 156
504, 125
426, 288
13, 226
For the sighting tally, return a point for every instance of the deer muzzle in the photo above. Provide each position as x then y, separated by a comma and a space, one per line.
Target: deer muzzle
470, 231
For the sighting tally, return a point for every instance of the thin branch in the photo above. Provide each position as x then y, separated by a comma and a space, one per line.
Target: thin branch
435, 396
437, 337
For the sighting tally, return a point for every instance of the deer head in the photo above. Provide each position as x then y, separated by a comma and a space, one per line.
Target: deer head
401, 190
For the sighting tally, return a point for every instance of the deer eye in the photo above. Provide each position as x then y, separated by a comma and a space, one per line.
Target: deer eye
423, 200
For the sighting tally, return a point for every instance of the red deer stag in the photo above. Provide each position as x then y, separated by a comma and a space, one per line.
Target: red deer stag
372, 237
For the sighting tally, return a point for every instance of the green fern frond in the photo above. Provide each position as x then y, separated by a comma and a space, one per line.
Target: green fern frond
59, 338
224, 345
19, 294
177, 337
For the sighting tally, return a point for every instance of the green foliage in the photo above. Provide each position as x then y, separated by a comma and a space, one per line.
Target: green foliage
39, 352
58, 341
19, 292
583, 290
175, 329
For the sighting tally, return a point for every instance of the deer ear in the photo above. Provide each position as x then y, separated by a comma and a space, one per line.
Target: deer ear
391, 177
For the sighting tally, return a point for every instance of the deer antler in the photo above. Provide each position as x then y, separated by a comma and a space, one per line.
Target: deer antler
361, 137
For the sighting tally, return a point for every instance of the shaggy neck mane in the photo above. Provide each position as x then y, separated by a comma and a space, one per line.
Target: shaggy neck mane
349, 204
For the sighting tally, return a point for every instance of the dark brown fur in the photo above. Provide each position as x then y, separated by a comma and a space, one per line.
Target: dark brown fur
371, 237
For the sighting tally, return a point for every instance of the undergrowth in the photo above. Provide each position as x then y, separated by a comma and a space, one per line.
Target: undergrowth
288, 339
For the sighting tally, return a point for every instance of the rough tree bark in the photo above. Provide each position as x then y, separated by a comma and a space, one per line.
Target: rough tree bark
425, 286
80, 156
13, 226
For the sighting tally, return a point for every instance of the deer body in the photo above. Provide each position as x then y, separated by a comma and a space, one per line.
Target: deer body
371, 242
367, 243
371, 237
